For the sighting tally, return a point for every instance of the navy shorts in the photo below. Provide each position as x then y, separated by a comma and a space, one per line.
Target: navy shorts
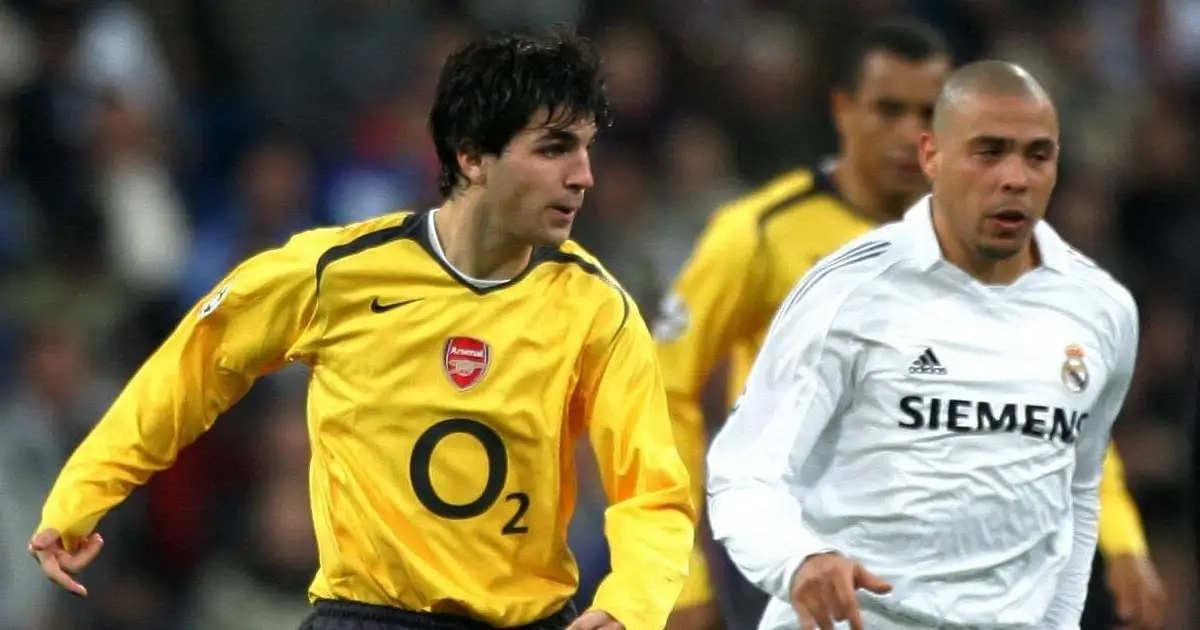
340, 615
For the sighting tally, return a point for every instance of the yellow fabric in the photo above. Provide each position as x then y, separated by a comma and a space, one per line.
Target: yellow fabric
410, 508
749, 257
697, 588
1121, 530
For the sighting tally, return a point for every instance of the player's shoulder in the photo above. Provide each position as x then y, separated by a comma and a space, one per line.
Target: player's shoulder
1100, 288
857, 269
1101, 281
866, 258
780, 192
577, 262
309, 251
603, 291
740, 226
793, 191
313, 251
328, 244
339, 240
315, 241
574, 259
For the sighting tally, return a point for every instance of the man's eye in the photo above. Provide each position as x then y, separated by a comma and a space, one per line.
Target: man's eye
890, 110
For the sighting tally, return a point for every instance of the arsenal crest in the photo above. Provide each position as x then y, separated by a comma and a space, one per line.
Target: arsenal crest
1074, 370
466, 361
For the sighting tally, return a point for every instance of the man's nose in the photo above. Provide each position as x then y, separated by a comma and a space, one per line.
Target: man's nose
580, 176
911, 126
1014, 174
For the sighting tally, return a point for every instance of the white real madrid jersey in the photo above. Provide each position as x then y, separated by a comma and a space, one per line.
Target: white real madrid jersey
946, 434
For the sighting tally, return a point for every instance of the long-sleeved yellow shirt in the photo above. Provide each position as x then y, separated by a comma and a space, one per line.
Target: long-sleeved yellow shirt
1121, 530
442, 417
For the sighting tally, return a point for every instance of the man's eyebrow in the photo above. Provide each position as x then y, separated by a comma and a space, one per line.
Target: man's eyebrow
1043, 144
560, 135
986, 139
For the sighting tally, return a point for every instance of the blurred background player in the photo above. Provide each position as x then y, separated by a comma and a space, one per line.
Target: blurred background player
757, 247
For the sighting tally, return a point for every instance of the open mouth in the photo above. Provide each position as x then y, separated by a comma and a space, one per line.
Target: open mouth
1010, 219
565, 210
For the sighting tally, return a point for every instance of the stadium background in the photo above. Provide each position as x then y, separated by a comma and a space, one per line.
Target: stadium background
147, 146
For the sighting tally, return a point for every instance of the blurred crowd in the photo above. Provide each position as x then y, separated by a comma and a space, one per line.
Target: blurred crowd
145, 147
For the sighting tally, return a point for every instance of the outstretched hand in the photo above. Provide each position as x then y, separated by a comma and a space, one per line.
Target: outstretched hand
823, 591
58, 564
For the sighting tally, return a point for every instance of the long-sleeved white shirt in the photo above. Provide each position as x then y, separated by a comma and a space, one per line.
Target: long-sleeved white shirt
946, 434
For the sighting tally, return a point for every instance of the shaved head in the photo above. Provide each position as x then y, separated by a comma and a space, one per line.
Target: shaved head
992, 161
989, 77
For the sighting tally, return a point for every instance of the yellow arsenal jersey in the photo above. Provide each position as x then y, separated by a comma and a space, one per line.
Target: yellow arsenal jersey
442, 416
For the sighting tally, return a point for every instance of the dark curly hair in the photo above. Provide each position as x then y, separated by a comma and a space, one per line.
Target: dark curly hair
490, 88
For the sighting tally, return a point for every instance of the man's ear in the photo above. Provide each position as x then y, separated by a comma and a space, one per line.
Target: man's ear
470, 163
841, 105
929, 155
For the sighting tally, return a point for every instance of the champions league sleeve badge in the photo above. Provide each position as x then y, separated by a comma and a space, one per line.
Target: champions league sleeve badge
1074, 370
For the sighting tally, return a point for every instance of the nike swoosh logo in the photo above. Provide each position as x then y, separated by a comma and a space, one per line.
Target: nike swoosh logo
379, 307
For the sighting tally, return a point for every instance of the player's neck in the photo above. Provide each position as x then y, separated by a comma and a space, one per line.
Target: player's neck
989, 271
865, 201
475, 245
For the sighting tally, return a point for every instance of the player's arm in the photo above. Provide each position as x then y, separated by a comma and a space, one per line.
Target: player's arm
709, 307
1121, 531
1137, 590
798, 382
248, 327
649, 521
1093, 441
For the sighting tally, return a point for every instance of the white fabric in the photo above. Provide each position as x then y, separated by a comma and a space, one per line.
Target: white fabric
478, 283
928, 426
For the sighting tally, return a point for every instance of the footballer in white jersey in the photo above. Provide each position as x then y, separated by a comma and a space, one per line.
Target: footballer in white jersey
921, 439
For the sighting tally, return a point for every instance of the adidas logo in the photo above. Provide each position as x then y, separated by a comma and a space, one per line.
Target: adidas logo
926, 363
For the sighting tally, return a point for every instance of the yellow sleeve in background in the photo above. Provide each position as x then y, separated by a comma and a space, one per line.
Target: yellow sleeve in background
247, 327
650, 519
708, 310
711, 314
1121, 529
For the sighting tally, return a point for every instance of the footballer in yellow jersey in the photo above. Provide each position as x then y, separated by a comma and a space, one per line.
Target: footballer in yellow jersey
457, 356
756, 248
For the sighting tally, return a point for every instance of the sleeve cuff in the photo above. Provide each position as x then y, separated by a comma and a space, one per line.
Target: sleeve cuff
784, 592
643, 609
